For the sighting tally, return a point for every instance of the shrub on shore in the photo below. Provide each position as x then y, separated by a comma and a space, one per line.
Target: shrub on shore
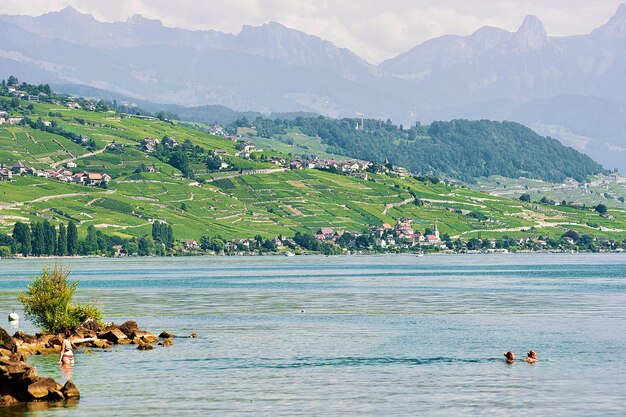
47, 302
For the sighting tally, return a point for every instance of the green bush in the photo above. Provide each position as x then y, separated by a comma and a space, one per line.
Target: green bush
47, 303
85, 312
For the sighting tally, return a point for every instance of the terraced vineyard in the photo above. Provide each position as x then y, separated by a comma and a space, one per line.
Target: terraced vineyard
240, 203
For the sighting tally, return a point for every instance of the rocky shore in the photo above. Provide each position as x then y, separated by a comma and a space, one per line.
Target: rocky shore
19, 382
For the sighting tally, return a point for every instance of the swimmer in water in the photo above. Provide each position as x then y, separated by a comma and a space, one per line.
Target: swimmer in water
531, 356
510, 357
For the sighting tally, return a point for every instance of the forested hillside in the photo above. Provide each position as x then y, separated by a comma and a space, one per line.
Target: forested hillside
458, 149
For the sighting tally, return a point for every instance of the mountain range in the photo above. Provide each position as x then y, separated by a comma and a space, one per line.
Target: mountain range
568, 87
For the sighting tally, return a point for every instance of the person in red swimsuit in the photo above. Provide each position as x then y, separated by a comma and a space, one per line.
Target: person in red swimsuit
67, 356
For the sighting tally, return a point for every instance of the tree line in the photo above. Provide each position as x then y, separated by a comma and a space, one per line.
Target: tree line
45, 239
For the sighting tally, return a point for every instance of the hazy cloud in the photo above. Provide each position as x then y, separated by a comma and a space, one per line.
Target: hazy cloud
374, 29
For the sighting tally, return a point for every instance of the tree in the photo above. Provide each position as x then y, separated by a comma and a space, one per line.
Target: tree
22, 236
38, 239
9, 242
362, 242
47, 302
145, 246
473, 244
269, 245
102, 106
217, 245
72, 239
50, 238
571, 234
601, 208
307, 241
179, 159
62, 242
91, 242
162, 233
213, 162
525, 198
131, 247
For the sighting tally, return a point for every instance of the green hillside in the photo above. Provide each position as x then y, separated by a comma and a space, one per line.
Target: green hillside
246, 199
459, 149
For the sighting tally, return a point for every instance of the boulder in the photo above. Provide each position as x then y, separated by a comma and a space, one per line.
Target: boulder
193, 335
90, 326
167, 342
145, 336
6, 341
28, 377
69, 390
7, 401
113, 335
48, 340
144, 346
43, 387
128, 327
55, 396
24, 337
166, 335
82, 333
47, 350
102, 344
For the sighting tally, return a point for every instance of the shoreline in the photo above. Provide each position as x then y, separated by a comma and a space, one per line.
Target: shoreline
313, 254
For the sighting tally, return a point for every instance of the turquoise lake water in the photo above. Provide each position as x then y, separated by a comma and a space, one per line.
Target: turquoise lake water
340, 336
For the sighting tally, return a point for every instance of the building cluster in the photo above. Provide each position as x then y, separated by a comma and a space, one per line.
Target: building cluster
150, 144
12, 120
67, 101
247, 149
92, 179
279, 242
402, 235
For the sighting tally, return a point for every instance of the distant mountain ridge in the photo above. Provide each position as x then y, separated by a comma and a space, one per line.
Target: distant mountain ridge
271, 68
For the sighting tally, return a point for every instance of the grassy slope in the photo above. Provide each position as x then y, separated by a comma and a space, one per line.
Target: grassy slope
244, 205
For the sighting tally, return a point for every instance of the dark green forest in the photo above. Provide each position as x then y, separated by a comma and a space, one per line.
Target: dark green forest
458, 149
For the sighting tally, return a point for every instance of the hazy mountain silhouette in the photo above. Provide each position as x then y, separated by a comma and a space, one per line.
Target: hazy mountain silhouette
492, 73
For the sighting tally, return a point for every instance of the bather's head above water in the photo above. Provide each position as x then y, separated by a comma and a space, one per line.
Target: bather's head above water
510, 357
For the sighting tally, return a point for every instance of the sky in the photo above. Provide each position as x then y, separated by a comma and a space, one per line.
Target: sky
373, 29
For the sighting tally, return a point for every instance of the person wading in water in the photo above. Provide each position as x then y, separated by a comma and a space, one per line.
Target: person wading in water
67, 356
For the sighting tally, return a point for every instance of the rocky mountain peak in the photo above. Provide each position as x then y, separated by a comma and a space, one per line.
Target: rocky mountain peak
532, 34
68, 14
68, 11
138, 20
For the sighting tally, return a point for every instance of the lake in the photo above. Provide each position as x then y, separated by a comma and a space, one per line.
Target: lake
349, 335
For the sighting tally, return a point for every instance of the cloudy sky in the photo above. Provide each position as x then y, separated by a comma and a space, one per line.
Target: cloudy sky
374, 29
